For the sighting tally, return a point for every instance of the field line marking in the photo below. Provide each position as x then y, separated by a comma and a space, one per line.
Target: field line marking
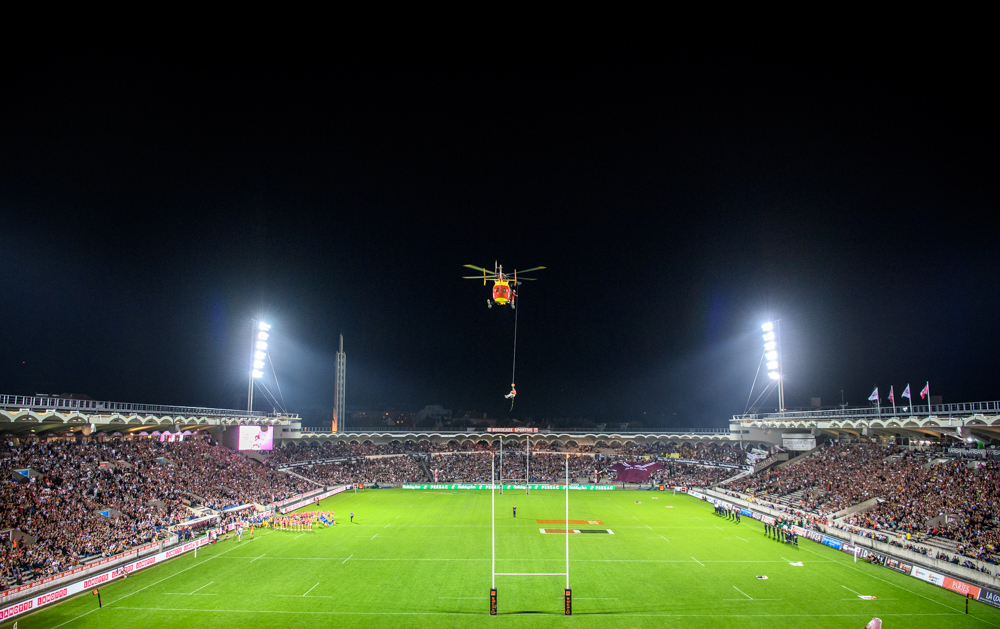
204, 586
355, 613
665, 538
374, 536
701, 564
738, 537
788, 560
253, 560
467, 598
889, 582
311, 589
387, 525
345, 561
719, 527
649, 527
742, 592
179, 572
850, 590
396, 518
295, 538
697, 518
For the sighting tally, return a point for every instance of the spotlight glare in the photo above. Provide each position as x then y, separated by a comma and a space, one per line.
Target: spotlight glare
258, 364
772, 355
772, 365
262, 336
263, 327
767, 327
769, 336
769, 346
261, 345
259, 355
257, 374
773, 375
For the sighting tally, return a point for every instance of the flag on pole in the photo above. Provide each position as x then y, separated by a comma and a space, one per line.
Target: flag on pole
925, 391
906, 393
891, 398
874, 396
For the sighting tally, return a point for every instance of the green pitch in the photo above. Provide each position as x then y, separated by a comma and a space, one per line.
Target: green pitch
422, 559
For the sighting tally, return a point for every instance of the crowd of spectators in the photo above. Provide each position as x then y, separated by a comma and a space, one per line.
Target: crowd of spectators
915, 493
380, 470
94, 499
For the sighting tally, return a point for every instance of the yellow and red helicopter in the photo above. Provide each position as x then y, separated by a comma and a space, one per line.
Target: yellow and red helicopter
504, 284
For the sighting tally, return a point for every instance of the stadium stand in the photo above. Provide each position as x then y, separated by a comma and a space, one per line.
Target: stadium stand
88, 500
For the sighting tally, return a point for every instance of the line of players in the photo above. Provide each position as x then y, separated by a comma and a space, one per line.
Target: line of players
780, 531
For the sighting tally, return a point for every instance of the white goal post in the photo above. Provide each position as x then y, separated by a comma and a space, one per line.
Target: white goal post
493, 541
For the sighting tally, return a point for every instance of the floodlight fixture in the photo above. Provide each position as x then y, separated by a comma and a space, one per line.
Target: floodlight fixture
258, 352
772, 338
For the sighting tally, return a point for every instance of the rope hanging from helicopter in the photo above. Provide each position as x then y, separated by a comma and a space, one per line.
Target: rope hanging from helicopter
513, 368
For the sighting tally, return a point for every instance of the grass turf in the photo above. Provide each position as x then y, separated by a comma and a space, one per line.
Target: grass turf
422, 559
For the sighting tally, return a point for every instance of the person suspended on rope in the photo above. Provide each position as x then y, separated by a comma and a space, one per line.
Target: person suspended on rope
513, 392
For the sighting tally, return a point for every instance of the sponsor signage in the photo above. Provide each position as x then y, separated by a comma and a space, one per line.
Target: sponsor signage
989, 597
831, 542
312, 499
513, 430
75, 588
798, 443
488, 486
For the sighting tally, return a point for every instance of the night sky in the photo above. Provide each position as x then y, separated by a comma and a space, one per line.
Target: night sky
152, 204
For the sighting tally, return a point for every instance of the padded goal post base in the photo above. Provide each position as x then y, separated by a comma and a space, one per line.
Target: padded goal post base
493, 602
569, 602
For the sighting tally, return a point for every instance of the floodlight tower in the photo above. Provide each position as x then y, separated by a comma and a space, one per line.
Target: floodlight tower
772, 352
258, 352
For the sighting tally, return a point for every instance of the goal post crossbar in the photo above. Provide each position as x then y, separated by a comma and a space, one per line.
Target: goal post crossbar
530, 574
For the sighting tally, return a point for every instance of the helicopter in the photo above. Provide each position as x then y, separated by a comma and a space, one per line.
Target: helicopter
504, 284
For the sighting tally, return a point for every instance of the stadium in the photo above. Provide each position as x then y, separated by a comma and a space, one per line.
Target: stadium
558, 266
425, 529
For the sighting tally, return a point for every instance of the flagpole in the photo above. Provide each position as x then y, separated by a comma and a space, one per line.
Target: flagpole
893, 396
927, 386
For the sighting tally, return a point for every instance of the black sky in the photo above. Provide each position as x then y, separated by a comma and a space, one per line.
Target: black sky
151, 204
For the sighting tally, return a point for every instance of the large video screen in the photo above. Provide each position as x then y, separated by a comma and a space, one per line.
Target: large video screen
256, 438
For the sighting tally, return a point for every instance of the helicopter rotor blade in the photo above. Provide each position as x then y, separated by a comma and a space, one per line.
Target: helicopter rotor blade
478, 268
537, 268
477, 277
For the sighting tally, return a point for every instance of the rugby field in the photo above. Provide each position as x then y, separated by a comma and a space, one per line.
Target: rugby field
415, 558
